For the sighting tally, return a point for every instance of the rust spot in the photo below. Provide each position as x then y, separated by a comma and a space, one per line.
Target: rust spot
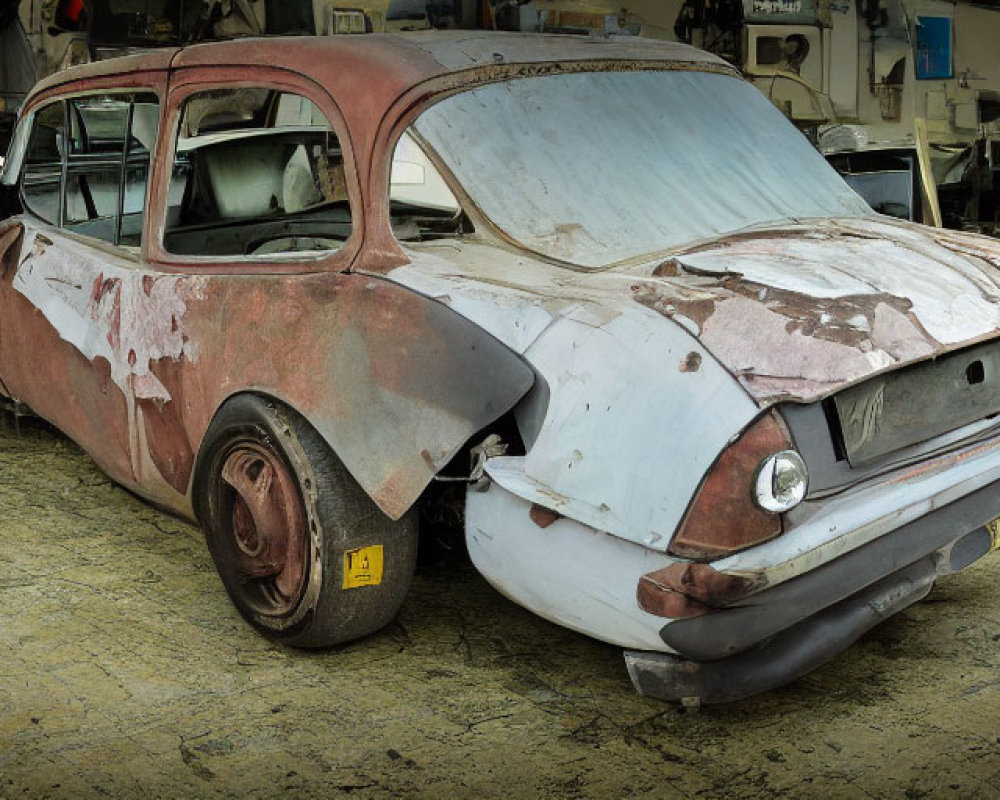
691, 362
667, 602
102, 287
942, 462
542, 516
114, 332
169, 449
501, 71
428, 460
700, 582
847, 320
147, 284
678, 300
670, 268
687, 590
10, 235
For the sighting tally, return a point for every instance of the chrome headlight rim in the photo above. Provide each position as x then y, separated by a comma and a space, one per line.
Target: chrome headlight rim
782, 465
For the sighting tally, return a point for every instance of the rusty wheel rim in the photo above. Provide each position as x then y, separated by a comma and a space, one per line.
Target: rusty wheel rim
265, 526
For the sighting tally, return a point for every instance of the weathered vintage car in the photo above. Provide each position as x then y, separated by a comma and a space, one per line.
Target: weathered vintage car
708, 405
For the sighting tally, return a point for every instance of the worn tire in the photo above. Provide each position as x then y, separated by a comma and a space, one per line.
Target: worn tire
281, 513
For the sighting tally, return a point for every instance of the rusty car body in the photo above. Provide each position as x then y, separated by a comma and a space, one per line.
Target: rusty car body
726, 423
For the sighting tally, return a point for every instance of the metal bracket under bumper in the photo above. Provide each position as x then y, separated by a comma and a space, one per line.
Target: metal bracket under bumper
790, 654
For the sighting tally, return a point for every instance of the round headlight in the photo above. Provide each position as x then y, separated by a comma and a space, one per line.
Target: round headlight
781, 481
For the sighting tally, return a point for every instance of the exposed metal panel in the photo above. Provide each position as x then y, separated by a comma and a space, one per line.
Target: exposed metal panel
908, 406
394, 381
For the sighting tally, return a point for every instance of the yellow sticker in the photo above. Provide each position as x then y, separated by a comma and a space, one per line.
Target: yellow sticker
363, 567
994, 529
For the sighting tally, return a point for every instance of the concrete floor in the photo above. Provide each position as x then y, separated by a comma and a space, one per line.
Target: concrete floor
126, 673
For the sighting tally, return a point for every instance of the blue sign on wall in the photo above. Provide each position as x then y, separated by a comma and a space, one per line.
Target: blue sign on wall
934, 48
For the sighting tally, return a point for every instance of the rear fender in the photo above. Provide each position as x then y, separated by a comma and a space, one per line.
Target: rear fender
395, 382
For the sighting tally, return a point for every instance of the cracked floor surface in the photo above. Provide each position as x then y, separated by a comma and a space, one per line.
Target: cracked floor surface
127, 673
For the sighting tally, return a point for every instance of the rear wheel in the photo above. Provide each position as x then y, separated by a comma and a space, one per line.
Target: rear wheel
303, 552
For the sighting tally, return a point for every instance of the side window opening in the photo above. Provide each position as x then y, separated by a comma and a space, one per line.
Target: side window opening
138, 162
421, 205
94, 166
93, 180
43, 163
256, 172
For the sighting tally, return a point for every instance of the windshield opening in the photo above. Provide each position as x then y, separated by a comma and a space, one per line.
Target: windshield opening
596, 168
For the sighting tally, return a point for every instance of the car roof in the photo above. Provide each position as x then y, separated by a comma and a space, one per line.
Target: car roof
151, 60
390, 64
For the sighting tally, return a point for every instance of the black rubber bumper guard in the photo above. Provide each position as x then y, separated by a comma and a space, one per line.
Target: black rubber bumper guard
785, 632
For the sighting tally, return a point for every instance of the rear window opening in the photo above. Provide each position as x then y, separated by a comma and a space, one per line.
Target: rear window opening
256, 172
422, 206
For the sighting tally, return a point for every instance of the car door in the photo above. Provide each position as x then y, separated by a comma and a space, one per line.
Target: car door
104, 345
77, 266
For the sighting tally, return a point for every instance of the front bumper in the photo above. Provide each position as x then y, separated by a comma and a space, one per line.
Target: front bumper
782, 633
